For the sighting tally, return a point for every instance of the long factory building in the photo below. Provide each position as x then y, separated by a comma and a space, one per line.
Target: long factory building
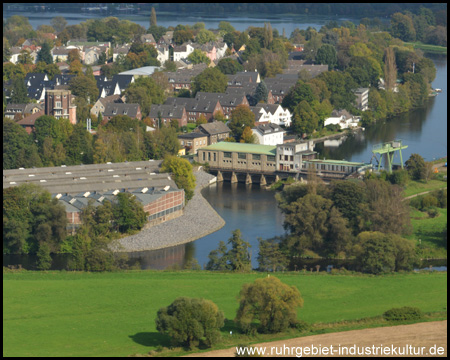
74, 186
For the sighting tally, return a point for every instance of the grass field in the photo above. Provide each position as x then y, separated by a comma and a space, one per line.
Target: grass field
435, 49
112, 314
417, 187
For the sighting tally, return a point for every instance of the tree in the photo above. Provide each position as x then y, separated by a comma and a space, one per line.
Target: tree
58, 23
210, 80
241, 117
182, 173
218, 258
84, 87
45, 54
204, 36
270, 255
19, 94
300, 92
269, 302
129, 213
189, 321
44, 261
327, 55
305, 119
238, 256
198, 57
402, 27
416, 167
390, 69
248, 136
261, 92
153, 21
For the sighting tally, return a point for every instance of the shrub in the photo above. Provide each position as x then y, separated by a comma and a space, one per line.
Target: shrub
191, 320
403, 313
302, 326
432, 212
270, 302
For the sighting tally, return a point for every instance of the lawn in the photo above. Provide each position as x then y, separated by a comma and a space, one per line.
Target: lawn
429, 231
417, 187
435, 49
112, 314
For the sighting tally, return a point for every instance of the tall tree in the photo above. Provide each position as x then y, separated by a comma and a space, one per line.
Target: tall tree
241, 117
153, 21
45, 54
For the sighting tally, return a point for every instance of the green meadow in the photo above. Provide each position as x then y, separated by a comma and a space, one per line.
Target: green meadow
112, 314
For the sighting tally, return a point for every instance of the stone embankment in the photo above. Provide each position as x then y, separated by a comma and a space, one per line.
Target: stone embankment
199, 219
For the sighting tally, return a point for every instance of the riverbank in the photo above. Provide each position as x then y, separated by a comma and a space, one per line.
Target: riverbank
199, 219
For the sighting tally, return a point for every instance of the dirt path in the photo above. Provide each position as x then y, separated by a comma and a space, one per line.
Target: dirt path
430, 335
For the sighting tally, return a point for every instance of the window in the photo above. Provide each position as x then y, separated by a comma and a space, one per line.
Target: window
242, 156
270, 158
227, 155
256, 157
214, 156
203, 156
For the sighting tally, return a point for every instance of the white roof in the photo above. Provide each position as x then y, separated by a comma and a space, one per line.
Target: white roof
146, 70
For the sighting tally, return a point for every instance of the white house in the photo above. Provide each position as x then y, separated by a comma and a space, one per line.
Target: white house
269, 134
342, 118
182, 51
272, 113
163, 53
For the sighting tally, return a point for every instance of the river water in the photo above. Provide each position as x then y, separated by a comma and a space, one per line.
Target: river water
248, 207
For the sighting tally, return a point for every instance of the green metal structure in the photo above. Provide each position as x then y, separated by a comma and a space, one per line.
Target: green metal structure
387, 151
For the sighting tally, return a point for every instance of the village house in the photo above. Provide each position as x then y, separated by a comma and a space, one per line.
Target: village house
249, 89
167, 114
269, 134
182, 78
148, 39
92, 54
342, 118
16, 111
120, 50
197, 107
229, 102
279, 87
272, 113
114, 109
191, 142
182, 51
100, 105
362, 99
216, 131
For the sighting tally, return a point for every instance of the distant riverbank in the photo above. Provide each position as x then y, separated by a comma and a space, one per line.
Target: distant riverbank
199, 219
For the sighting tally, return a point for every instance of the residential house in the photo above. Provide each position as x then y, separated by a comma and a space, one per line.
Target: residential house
108, 88
166, 39
227, 101
216, 131
163, 53
167, 114
100, 105
36, 85
197, 107
114, 109
14, 111
60, 54
28, 122
15, 52
362, 99
182, 51
294, 67
58, 103
120, 50
342, 118
243, 77
279, 87
92, 54
269, 134
191, 142
182, 79
148, 39
272, 113
249, 89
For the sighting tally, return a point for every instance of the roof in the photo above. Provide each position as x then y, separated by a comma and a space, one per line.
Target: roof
339, 162
143, 71
113, 109
227, 99
242, 147
167, 111
268, 128
192, 135
31, 119
212, 128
